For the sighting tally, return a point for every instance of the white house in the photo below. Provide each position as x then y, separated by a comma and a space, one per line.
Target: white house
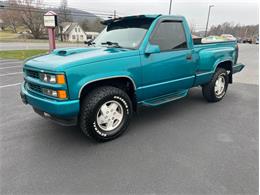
72, 32
91, 35
1, 24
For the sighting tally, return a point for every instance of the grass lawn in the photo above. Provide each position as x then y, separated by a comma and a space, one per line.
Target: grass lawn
7, 35
20, 54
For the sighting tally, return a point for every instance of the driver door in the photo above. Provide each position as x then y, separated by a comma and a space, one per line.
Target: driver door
173, 68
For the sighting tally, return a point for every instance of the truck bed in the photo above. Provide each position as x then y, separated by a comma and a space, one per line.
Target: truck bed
198, 44
211, 54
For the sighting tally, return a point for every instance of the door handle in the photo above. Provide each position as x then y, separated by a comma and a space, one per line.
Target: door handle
189, 57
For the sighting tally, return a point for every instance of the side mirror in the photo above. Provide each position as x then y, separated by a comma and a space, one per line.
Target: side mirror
152, 49
88, 42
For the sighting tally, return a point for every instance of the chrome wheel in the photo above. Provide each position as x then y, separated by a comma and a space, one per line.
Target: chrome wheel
220, 85
110, 115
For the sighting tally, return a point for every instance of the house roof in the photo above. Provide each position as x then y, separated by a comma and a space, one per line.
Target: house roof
68, 26
65, 24
71, 27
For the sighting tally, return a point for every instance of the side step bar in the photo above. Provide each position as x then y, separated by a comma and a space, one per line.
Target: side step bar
165, 98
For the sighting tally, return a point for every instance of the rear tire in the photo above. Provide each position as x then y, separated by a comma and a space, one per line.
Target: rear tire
216, 89
105, 113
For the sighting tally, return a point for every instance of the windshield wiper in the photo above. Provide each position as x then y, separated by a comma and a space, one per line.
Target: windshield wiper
109, 43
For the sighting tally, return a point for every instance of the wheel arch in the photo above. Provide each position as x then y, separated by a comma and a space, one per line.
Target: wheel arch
227, 65
123, 82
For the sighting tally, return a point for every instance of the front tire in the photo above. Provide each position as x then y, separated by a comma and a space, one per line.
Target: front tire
216, 89
105, 113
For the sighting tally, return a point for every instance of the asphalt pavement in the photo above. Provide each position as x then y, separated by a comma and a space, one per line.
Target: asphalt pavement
35, 45
185, 147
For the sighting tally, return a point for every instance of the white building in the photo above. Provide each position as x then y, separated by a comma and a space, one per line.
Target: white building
72, 32
91, 35
1, 24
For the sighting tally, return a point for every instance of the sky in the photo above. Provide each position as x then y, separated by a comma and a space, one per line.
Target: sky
236, 11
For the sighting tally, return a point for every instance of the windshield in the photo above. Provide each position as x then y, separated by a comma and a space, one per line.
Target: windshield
126, 33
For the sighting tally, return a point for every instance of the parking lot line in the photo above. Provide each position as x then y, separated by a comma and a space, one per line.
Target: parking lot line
10, 62
4, 86
13, 73
9, 67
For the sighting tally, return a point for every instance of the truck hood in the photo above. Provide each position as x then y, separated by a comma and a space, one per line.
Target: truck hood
62, 59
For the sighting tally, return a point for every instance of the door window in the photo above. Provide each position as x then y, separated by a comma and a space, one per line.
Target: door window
169, 35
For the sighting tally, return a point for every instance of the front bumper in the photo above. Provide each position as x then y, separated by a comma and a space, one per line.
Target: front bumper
238, 68
62, 109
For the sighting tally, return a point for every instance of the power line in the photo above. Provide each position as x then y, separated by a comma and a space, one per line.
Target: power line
46, 6
41, 10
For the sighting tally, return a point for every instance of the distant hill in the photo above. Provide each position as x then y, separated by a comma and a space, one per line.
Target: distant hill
77, 15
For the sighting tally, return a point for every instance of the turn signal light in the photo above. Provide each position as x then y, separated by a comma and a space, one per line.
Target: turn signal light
60, 79
61, 94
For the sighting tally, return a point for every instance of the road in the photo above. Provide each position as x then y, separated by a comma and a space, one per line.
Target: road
29, 45
184, 147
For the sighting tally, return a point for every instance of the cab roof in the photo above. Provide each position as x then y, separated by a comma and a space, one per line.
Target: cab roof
152, 16
106, 22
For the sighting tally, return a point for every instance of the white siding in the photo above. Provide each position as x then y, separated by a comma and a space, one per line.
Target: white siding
78, 34
91, 35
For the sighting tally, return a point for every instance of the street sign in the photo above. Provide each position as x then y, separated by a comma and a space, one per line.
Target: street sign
50, 19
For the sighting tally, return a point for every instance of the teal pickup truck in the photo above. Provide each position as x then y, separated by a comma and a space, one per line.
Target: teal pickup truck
137, 60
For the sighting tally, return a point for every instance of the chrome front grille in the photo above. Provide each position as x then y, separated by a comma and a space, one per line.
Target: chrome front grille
32, 73
35, 87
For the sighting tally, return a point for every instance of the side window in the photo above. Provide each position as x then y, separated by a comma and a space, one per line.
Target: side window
169, 35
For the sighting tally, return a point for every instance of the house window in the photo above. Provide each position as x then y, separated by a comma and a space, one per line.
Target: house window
75, 29
79, 29
81, 37
89, 36
73, 37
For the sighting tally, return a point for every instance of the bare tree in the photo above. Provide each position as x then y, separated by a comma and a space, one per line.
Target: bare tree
192, 28
96, 25
11, 17
85, 24
64, 12
245, 31
64, 15
32, 16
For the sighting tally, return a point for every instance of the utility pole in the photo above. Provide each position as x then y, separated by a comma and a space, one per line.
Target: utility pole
210, 6
114, 14
61, 33
170, 8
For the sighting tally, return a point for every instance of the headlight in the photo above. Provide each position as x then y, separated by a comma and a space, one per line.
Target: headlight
51, 78
58, 94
